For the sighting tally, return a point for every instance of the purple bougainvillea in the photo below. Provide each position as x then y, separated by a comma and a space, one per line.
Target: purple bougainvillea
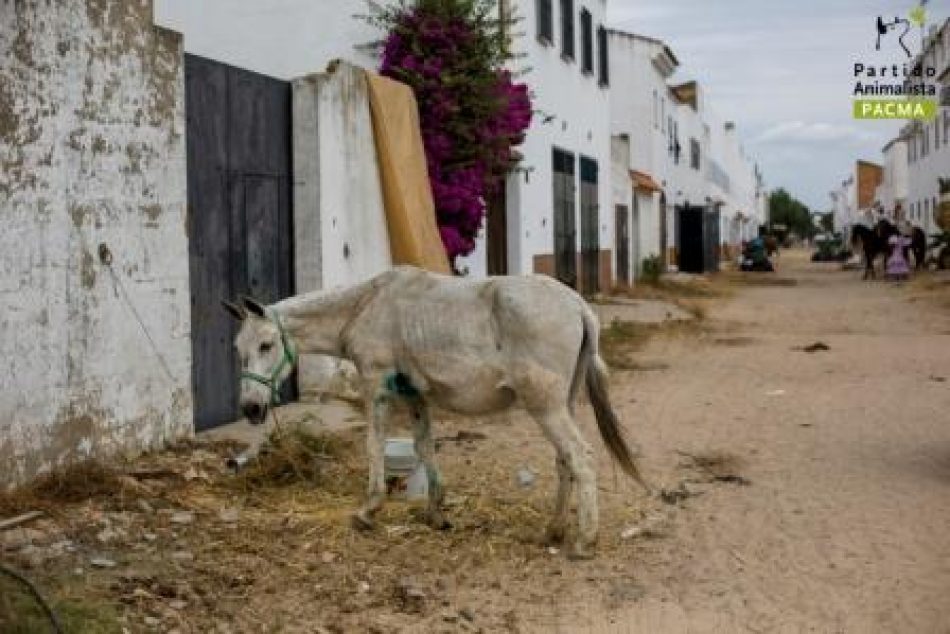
472, 113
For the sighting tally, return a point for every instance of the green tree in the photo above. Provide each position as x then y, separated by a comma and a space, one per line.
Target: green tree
785, 209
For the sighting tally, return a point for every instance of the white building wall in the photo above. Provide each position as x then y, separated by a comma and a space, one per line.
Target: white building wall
95, 326
929, 141
844, 199
690, 182
635, 79
894, 185
580, 125
340, 230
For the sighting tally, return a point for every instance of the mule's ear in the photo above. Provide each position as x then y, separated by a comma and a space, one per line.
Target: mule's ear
237, 312
253, 306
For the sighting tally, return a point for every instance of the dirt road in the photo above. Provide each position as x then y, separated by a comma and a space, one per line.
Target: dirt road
805, 492
846, 524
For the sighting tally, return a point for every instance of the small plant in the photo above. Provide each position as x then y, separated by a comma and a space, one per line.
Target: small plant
651, 269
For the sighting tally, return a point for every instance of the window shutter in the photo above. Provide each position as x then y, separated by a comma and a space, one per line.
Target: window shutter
567, 28
604, 65
587, 42
545, 21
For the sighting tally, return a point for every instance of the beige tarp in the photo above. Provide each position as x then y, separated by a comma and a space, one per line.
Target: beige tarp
410, 212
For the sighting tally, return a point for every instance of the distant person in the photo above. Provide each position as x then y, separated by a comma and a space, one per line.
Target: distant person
897, 265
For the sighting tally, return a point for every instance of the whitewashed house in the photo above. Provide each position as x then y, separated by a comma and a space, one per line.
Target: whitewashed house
928, 142
844, 206
891, 194
690, 140
640, 113
685, 163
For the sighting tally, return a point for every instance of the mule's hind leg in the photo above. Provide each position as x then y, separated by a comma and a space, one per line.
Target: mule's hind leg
425, 449
379, 405
565, 484
559, 427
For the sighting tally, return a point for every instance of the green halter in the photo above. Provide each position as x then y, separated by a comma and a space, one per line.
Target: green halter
288, 358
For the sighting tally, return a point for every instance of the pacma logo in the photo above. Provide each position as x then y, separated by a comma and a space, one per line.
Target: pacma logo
901, 26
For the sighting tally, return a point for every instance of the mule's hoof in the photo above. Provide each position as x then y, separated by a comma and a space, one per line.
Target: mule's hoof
554, 535
441, 524
581, 553
362, 522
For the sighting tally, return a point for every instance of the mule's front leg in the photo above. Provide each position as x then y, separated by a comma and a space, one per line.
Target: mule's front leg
425, 449
379, 404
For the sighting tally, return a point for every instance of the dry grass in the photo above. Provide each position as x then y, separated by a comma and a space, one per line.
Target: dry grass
273, 548
295, 455
67, 485
674, 288
738, 278
620, 341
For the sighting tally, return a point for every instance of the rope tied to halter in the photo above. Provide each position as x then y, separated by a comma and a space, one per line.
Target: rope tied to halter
289, 357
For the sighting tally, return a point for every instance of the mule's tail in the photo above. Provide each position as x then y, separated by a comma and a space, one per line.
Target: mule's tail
595, 371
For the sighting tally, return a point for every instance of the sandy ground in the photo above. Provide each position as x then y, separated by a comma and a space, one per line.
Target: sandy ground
823, 505
846, 525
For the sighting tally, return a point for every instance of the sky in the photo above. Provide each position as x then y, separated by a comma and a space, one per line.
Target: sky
783, 71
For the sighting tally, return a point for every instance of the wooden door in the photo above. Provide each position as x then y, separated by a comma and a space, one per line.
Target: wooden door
565, 231
622, 230
590, 226
239, 215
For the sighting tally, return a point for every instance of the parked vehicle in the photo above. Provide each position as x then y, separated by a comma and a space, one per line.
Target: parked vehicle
828, 248
755, 257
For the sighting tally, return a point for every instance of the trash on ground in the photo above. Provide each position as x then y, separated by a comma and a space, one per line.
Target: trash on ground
818, 346
526, 477
405, 475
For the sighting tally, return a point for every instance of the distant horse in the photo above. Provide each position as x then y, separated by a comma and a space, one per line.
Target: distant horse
873, 243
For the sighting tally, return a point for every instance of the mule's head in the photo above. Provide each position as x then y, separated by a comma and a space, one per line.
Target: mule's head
266, 355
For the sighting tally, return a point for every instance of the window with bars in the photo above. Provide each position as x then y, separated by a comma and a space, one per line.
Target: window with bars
656, 110
694, 157
545, 16
587, 42
567, 29
603, 56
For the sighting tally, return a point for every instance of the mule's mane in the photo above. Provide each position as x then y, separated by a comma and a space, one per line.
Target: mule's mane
319, 320
323, 302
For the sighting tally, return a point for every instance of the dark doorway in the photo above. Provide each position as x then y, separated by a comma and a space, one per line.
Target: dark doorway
496, 233
565, 223
711, 233
239, 215
623, 244
664, 258
698, 232
590, 227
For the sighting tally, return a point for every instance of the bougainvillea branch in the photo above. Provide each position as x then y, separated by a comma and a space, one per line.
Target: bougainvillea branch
453, 54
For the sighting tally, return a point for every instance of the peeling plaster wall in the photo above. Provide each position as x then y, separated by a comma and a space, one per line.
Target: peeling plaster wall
92, 153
